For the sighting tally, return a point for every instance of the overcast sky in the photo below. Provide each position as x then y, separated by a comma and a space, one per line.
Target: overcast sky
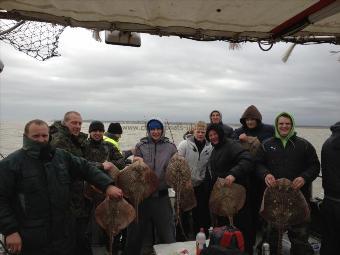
176, 79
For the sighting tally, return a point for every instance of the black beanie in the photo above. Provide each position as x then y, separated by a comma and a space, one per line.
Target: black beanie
115, 128
96, 125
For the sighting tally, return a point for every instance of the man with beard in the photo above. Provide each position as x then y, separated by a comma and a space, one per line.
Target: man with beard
35, 186
229, 160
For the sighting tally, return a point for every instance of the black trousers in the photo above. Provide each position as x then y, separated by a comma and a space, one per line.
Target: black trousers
198, 217
330, 212
298, 236
82, 240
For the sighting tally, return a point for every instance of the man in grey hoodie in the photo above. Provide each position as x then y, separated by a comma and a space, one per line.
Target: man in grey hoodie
155, 150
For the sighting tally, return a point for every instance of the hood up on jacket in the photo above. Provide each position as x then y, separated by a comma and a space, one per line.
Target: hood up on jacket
292, 132
336, 134
335, 128
213, 112
251, 113
148, 129
219, 130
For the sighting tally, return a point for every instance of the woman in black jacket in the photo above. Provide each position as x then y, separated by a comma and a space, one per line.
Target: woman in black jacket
230, 161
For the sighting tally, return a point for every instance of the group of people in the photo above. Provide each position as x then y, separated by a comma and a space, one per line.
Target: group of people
43, 209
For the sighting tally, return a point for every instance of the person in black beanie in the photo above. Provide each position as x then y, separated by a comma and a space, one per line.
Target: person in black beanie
96, 125
98, 151
113, 134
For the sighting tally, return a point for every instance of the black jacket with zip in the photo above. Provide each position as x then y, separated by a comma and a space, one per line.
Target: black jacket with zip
297, 159
330, 163
35, 195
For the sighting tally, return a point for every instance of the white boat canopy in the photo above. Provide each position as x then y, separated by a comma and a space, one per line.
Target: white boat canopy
231, 20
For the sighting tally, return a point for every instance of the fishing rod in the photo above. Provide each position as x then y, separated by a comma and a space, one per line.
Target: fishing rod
172, 137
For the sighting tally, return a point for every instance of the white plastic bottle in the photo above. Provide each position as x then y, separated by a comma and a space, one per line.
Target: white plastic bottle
265, 249
200, 241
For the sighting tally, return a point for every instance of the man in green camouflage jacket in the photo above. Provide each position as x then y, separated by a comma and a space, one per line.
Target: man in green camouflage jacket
66, 135
98, 151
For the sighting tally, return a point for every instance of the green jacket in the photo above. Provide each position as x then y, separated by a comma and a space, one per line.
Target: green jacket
36, 194
63, 139
102, 151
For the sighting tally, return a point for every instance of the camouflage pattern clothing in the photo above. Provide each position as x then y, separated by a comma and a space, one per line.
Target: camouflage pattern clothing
100, 151
63, 139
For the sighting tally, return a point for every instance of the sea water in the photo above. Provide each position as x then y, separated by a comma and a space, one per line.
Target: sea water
11, 138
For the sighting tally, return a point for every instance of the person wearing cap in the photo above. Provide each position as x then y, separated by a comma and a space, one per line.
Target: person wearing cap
216, 118
113, 134
155, 150
252, 125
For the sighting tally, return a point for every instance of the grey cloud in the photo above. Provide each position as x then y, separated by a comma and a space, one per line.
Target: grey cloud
177, 79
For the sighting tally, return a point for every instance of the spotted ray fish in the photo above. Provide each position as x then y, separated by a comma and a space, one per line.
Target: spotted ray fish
138, 182
225, 200
113, 215
252, 145
282, 206
92, 193
178, 177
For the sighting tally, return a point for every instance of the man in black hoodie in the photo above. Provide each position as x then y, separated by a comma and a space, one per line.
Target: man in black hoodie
252, 125
330, 164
